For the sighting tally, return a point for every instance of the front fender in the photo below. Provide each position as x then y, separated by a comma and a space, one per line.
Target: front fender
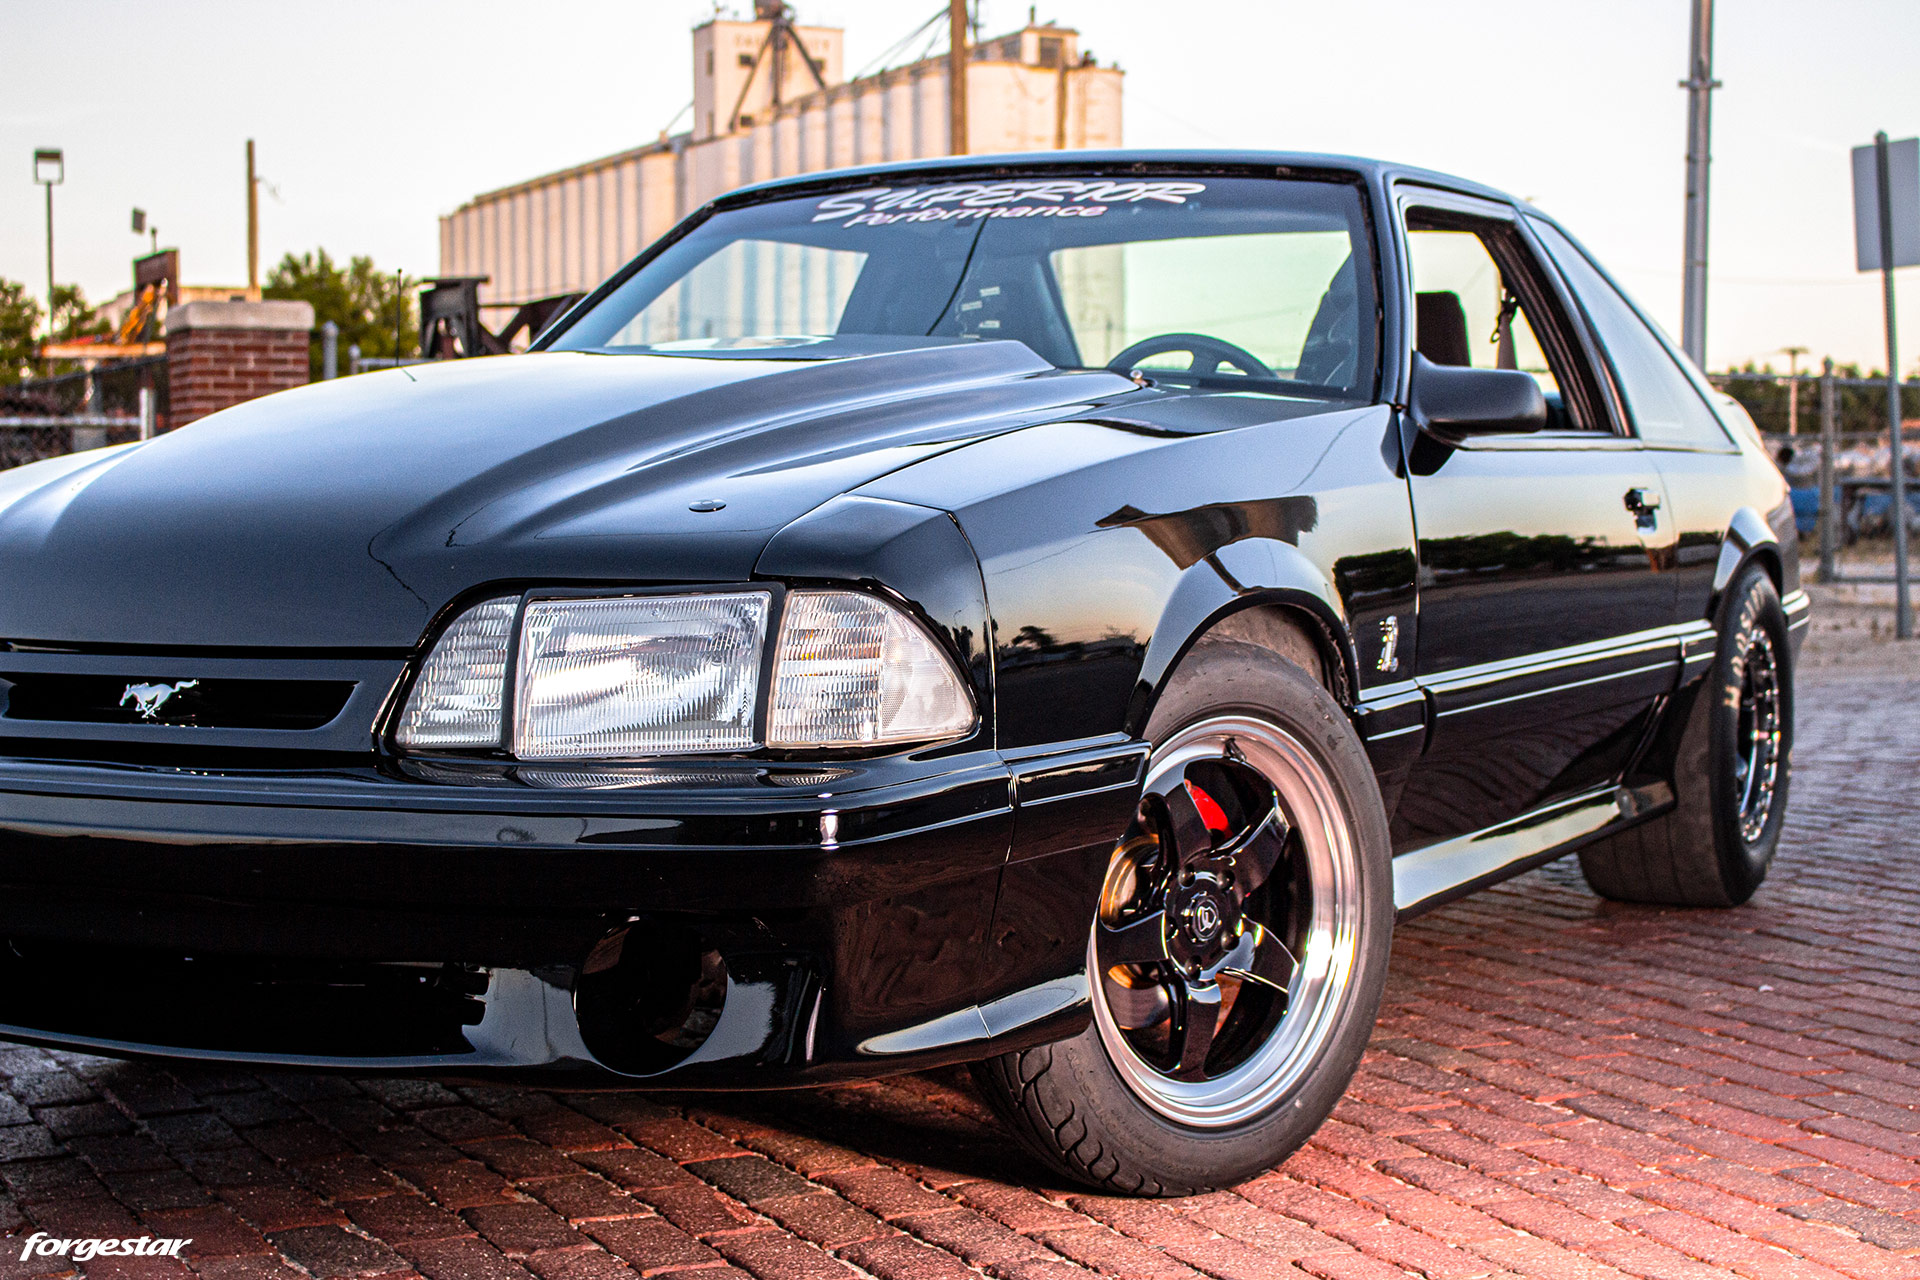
1106, 547
1239, 576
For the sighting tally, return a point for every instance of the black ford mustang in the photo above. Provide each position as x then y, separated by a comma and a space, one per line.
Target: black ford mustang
1054, 613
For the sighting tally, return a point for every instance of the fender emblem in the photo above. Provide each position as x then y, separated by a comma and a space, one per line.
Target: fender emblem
147, 699
1389, 644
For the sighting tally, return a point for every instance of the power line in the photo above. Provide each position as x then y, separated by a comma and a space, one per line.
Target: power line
881, 63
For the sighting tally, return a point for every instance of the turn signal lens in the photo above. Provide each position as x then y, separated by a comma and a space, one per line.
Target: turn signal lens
639, 676
456, 698
853, 671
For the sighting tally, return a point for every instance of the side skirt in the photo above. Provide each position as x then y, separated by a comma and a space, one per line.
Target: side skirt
1439, 873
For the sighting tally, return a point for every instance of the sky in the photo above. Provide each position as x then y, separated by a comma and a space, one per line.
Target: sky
374, 117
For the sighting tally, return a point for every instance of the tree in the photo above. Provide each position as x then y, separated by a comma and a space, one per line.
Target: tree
19, 319
370, 306
1861, 407
72, 316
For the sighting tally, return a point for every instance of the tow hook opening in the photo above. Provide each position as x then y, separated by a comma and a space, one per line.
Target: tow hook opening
649, 995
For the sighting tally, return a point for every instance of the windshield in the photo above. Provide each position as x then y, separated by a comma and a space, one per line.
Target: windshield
1249, 283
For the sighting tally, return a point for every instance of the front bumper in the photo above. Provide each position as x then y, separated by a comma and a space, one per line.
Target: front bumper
801, 922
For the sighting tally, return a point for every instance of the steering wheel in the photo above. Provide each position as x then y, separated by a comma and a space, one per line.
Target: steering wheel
1208, 355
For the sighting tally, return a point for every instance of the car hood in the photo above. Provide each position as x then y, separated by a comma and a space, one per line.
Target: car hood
349, 513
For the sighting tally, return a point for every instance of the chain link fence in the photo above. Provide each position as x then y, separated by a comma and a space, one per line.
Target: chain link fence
1829, 434
47, 417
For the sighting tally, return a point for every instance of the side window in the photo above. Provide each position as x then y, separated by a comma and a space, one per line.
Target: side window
1477, 304
1666, 408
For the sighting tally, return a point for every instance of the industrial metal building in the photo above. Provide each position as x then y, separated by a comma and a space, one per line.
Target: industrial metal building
769, 103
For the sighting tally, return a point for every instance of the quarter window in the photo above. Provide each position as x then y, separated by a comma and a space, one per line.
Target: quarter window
1664, 405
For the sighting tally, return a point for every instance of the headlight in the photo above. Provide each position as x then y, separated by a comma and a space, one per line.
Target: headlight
623, 677
647, 675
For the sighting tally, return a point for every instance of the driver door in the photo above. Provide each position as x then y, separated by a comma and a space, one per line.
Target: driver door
1544, 599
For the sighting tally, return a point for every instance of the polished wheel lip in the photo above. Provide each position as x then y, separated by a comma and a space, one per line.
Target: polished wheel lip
1328, 955
1756, 768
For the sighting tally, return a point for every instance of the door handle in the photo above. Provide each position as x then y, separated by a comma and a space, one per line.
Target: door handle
1643, 503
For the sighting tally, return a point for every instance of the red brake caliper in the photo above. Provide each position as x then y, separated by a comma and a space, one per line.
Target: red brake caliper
1210, 811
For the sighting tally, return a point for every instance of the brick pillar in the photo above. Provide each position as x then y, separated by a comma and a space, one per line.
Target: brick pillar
220, 353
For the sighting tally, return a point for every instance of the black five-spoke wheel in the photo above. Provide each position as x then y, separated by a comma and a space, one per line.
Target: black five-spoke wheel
1226, 923
1237, 948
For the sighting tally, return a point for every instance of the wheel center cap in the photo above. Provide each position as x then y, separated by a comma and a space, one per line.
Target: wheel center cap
1206, 918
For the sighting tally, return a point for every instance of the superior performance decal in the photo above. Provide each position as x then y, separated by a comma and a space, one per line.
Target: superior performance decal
880, 206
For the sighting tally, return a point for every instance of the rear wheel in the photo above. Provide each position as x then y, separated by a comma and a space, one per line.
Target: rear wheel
1730, 785
1239, 949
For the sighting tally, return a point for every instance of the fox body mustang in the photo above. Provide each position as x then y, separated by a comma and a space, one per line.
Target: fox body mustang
1054, 613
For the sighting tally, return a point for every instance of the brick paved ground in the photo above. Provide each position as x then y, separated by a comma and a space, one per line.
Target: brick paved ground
1559, 1087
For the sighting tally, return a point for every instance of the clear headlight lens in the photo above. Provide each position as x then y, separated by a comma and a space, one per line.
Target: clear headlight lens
853, 671
456, 698
627, 677
645, 675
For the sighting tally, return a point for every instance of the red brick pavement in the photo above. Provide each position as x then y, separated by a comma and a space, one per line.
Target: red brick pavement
1559, 1087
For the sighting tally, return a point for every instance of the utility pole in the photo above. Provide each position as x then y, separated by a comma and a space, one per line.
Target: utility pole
1902, 604
957, 76
1829, 446
253, 227
1793, 355
1699, 85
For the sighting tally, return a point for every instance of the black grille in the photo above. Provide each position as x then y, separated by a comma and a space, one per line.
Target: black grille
139, 699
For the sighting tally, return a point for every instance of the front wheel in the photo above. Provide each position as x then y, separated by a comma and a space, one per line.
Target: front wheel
1239, 950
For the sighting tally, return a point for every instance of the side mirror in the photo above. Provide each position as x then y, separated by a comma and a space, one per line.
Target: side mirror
1449, 400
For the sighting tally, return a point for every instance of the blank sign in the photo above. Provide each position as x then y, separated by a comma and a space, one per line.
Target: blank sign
1903, 181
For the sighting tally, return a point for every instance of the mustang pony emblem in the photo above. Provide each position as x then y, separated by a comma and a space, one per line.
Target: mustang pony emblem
147, 699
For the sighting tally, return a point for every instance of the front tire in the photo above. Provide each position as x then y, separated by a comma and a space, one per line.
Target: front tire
1731, 772
1240, 949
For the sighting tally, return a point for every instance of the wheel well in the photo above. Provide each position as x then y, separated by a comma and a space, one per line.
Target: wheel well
1294, 634
1767, 556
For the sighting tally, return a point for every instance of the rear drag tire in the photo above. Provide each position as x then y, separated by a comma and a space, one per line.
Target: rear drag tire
1708, 851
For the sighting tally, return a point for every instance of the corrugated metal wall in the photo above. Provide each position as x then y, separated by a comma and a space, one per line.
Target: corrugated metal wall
567, 231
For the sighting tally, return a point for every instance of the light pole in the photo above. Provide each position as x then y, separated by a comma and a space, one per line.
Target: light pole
49, 170
253, 229
1793, 355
